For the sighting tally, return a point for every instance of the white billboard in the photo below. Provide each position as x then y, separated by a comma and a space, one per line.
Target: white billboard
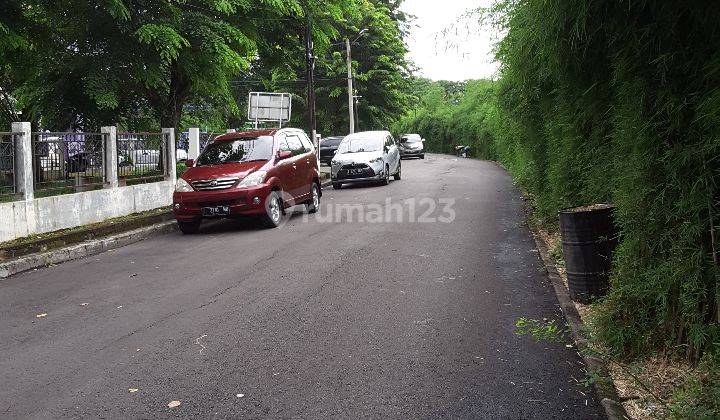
269, 107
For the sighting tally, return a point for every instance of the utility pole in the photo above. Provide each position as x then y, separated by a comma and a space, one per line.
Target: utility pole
351, 95
310, 62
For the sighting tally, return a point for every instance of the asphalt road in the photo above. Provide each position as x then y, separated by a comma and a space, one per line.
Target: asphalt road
322, 318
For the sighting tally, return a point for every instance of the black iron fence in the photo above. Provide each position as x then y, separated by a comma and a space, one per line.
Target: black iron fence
65, 163
141, 157
7, 166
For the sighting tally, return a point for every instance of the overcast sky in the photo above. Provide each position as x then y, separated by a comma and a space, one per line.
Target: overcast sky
465, 54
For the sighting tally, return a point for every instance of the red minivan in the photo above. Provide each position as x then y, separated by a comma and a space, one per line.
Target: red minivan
252, 173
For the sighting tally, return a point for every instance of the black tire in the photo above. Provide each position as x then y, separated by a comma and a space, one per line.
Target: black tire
422, 156
337, 185
398, 174
189, 228
386, 178
313, 205
273, 211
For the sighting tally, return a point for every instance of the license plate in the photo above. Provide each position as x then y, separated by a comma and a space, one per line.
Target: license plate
355, 171
215, 211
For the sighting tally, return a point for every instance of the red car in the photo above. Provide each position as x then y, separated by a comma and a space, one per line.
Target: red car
253, 173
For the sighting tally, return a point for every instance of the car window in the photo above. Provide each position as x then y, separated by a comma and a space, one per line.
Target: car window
295, 145
283, 145
306, 142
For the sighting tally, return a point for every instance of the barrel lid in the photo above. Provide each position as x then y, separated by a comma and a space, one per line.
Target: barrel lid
588, 208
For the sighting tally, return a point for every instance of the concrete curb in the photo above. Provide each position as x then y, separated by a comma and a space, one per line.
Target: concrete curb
92, 247
607, 393
84, 249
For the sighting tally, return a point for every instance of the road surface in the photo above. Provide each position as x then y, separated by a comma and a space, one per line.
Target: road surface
327, 317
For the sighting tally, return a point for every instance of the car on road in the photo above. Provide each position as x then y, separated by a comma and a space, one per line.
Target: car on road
328, 147
370, 156
251, 173
411, 145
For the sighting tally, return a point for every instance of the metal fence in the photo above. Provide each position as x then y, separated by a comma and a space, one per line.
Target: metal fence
65, 163
141, 157
7, 166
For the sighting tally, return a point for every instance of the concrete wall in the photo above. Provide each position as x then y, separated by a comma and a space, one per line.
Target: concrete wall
31, 216
42, 215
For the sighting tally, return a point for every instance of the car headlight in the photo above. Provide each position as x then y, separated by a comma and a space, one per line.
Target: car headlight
183, 186
252, 180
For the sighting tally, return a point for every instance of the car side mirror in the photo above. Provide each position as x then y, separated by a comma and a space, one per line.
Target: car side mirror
189, 163
282, 155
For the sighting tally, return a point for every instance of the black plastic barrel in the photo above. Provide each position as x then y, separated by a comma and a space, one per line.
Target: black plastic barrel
589, 238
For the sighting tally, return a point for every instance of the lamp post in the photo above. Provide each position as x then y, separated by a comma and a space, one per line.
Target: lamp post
351, 95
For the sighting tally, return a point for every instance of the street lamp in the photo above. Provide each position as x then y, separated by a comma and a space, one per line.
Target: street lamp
351, 99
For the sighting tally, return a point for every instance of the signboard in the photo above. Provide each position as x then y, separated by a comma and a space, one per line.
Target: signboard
269, 107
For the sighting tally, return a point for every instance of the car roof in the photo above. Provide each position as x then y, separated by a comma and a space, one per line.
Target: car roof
247, 134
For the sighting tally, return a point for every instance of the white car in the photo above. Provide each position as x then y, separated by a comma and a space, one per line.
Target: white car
368, 156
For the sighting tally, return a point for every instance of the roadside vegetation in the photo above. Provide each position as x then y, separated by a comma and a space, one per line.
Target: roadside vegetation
612, 102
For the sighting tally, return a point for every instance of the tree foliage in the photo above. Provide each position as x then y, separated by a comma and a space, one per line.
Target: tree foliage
611, 102
77, 64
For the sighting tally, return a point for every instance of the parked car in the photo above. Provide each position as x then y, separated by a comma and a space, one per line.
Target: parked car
259, 172
328, 147
411, 145
366, 156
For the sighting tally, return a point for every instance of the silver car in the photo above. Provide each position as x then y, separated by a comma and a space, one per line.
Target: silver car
370, 156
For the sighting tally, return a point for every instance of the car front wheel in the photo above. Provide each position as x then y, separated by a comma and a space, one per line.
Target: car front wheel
386, 178
398, 174
273, 210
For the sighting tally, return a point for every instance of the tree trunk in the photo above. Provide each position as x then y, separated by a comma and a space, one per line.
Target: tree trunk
171, 107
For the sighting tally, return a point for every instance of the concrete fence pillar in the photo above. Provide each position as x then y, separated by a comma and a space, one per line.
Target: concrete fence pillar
194, 143
23, 160
110, 161
170, 156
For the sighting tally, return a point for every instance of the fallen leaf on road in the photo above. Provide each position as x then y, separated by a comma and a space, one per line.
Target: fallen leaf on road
133, 275
173, 404
40, 315
84, 304
240, 395
133, 390
119, 307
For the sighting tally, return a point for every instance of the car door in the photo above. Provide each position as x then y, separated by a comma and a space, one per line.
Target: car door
310, 162
299, 187
284, 169
393, 154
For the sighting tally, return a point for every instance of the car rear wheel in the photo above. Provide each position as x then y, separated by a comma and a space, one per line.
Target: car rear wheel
314, 204
273, 210
337, 185
189, 228
398, 174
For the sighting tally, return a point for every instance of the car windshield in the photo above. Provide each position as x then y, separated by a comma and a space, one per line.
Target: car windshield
411, 138
238, 150
360, 144
331, 141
